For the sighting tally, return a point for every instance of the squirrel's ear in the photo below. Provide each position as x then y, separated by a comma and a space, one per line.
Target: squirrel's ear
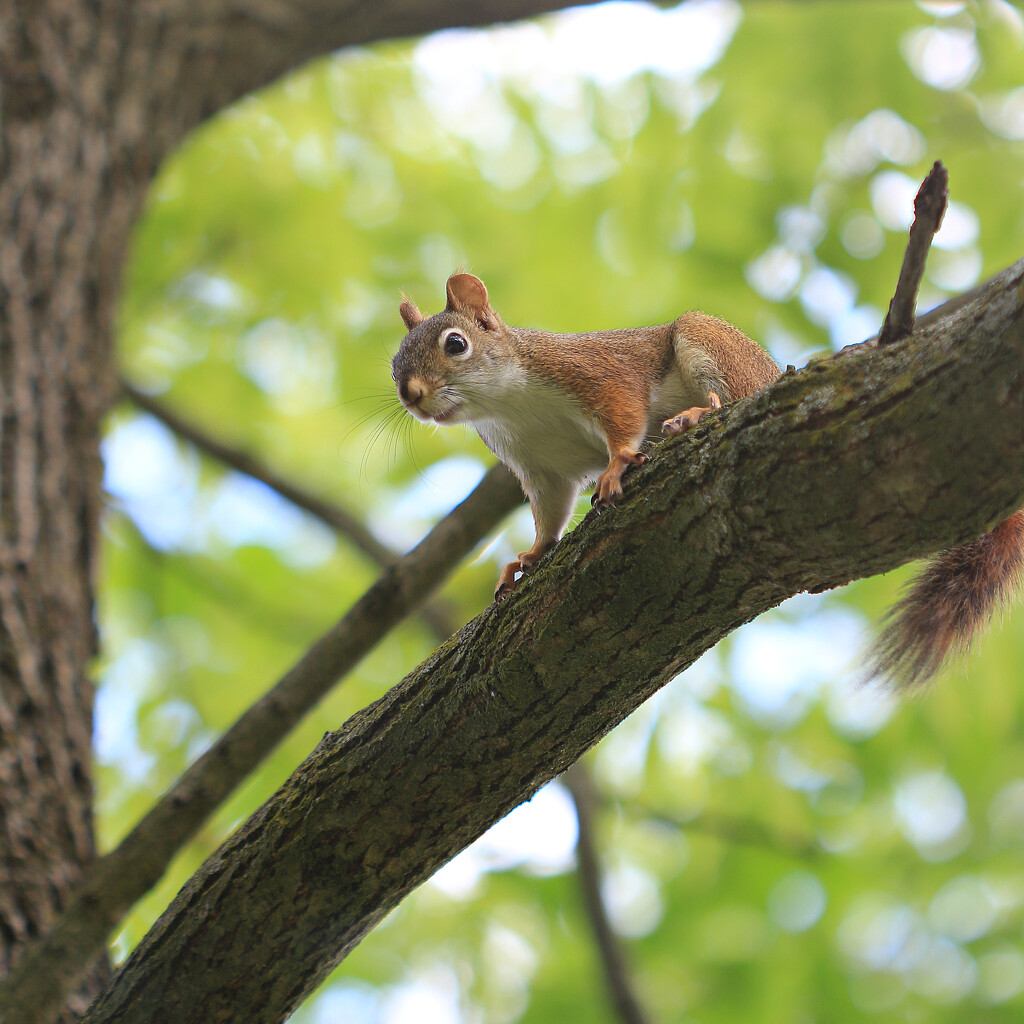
410, 315
468, 295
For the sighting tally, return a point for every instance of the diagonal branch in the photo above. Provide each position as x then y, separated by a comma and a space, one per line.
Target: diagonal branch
436, 614
847, 468
588, 868
115, 881
929, 209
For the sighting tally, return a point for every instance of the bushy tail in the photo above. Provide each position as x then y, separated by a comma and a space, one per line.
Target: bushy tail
949, 603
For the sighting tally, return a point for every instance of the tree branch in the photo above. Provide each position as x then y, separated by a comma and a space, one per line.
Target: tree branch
435, 613
588, 869
847, 468
237, 46
115, 881
929, 209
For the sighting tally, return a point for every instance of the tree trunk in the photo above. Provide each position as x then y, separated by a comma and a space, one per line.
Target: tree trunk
66, 200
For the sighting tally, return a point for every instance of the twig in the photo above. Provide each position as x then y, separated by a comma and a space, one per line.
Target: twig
438, 617
940, 312
116, 880
616, 973
929, 207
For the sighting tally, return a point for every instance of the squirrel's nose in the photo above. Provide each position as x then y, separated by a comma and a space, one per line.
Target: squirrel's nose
411, 390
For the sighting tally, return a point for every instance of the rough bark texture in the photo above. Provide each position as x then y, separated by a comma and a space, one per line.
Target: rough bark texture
847, 468
64, 208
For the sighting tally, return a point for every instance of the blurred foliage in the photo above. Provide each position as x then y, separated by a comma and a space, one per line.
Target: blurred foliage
780, 844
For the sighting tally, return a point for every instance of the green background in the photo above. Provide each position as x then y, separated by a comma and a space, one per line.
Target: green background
780, 843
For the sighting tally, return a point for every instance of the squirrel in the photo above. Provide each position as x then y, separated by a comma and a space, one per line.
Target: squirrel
566, 410
563, 411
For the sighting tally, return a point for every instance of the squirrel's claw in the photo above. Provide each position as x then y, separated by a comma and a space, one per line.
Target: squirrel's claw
609, 484
606, 492
524, 563
507, 580
684, 421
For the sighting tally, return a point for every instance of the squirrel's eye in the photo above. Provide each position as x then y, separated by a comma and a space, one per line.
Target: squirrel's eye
455, 344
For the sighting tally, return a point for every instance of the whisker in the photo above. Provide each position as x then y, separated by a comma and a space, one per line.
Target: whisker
364, 461
385, 423
384, 411
407, 438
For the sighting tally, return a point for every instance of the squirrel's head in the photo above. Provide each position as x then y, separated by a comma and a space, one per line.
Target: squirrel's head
448, 365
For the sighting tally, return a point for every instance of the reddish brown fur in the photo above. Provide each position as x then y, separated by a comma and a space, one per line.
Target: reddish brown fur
411, 316
611, 372
949, 603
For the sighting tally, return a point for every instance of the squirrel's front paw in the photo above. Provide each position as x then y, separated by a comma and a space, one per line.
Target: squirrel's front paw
609, 484
507, 580
606, 491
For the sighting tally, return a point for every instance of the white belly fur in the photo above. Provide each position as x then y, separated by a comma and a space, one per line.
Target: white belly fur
540, 431
548, 435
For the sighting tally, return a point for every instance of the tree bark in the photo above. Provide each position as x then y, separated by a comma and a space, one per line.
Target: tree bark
848, 468
66, 200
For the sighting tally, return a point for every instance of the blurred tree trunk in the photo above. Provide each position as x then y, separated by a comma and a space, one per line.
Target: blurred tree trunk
66, 198
92, 96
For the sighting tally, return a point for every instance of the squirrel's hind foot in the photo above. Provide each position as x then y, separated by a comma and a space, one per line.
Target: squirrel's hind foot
691, 417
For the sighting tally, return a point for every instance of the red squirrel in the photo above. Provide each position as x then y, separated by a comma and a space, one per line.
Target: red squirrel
563, 411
